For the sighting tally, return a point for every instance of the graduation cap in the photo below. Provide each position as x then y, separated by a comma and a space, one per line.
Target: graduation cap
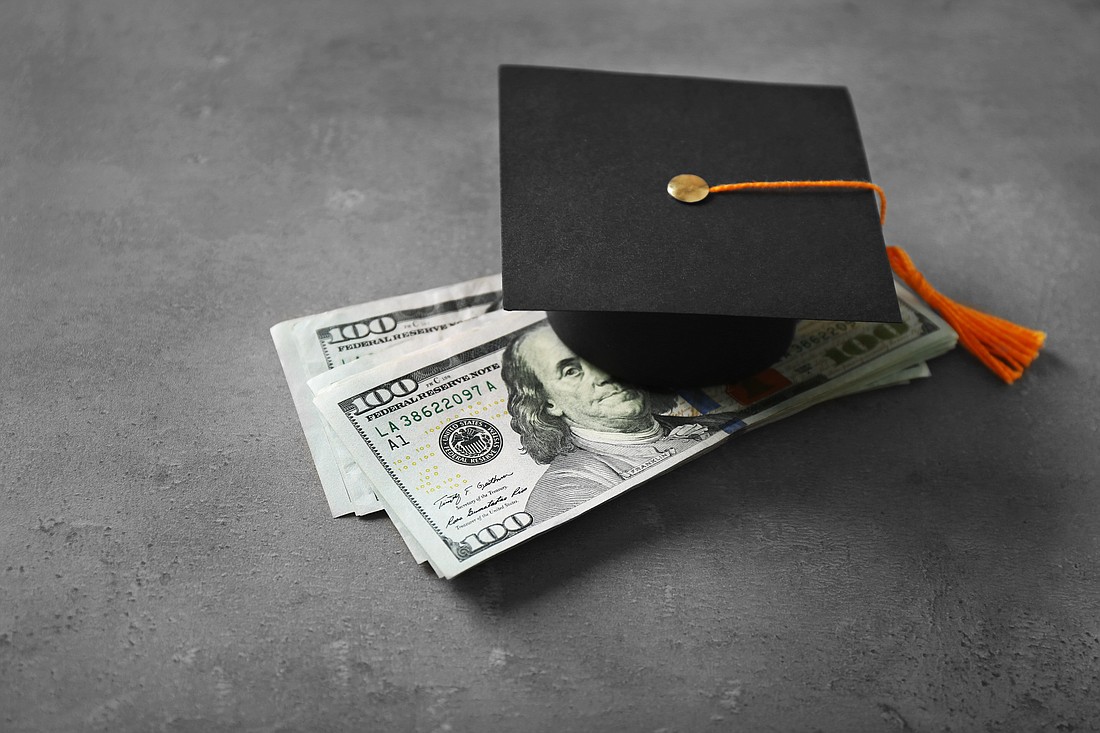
665, 293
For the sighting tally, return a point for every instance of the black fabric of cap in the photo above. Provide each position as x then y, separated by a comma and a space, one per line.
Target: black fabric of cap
589, 228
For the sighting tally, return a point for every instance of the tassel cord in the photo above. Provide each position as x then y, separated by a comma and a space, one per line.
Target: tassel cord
1006, 348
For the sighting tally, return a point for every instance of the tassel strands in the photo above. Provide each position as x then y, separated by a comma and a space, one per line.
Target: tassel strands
1005, 347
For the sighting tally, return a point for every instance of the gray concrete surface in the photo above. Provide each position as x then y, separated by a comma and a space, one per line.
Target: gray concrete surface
177, 176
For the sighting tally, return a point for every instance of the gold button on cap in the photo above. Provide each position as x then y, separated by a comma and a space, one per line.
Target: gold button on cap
688, 188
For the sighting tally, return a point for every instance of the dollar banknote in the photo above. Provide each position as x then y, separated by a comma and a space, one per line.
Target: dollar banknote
500, 433
316, 344
354, 476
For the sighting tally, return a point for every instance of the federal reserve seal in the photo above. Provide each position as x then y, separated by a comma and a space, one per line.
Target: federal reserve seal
471, 441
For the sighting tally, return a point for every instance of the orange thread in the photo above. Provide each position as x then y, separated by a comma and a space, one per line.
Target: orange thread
1006, 348
772, 185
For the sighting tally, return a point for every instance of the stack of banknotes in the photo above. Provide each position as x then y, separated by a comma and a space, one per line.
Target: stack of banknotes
476, 429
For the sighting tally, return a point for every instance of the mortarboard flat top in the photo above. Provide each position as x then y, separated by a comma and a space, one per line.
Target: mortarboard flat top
588, 226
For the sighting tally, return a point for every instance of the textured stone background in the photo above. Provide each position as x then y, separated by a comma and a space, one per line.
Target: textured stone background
177, 176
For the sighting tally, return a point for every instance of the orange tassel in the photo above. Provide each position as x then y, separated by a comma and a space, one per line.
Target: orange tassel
1005, 347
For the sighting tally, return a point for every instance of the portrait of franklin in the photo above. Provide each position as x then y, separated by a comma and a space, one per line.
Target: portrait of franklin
592, 431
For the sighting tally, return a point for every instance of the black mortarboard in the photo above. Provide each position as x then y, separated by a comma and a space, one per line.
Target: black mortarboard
665, 293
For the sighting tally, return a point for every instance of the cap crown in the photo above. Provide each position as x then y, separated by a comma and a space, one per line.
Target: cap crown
587, 223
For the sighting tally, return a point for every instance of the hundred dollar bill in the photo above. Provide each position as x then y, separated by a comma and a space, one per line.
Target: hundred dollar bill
501, 433
315, 344
350, 470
